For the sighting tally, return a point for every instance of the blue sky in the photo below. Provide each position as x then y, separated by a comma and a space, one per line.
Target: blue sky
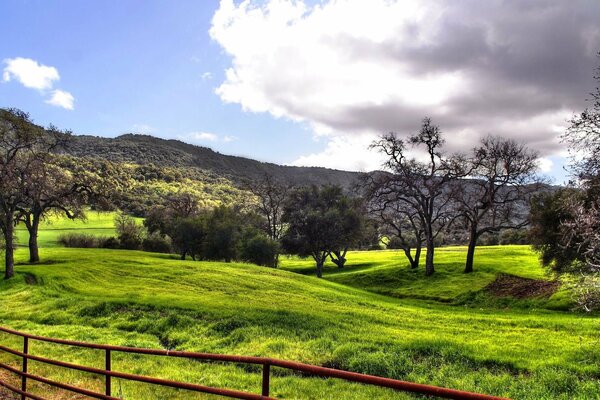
303, 83
138, 66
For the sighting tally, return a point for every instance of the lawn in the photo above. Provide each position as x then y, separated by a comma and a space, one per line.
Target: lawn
151, 300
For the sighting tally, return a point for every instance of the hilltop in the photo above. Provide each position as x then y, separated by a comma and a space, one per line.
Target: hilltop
146, 149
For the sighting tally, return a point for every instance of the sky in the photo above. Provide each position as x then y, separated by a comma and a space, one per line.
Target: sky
303, 82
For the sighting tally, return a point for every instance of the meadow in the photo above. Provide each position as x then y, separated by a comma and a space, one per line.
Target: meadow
375, 316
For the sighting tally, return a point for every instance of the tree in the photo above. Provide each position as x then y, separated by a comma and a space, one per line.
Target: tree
573, 244
421, 185
51, 189
129, 232
23, 147
271, 196
223, 229
497, 197
321, 223
399, 221
257, 248
188, 235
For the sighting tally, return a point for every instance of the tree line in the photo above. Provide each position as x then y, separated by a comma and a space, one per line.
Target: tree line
409, 203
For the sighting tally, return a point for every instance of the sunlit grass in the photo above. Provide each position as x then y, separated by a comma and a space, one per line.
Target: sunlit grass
149, 300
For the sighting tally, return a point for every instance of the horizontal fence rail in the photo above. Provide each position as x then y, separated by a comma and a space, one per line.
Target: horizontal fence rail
266, 364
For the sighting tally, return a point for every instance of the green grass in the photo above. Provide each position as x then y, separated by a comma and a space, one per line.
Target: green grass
95, 223
388, 272
149, 300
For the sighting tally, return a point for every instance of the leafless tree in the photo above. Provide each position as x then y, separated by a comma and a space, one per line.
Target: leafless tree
271, 196
422, 185
504, 177
397, 219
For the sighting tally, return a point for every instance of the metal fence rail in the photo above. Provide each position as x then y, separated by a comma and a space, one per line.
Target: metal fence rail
266, 364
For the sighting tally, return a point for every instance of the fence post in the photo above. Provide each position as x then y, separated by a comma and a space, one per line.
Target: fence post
265, 379
108, 377
24, 365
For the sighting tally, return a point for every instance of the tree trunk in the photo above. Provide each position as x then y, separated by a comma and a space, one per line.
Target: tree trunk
183, 255
339, 259
417, 256
429, 268
9, 265
33, 228
319, 269
410, 258
320, 260
471, 251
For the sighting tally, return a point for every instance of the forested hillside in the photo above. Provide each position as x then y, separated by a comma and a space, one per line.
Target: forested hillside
144, 149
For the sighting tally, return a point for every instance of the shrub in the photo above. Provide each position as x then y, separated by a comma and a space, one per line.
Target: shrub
157, 243
110, 243
81, 240
129, 233
259, 249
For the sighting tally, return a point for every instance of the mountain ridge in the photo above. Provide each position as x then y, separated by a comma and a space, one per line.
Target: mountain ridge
148, 149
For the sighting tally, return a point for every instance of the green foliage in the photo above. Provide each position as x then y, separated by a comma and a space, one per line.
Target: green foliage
548, 212
321, 221
157, 243
129, 233
222, 234
81, 240
257, 248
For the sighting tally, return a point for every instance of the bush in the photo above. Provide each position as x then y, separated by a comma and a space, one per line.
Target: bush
110, 243
157, 243
514, 236
81, 240
130, 234
259, 249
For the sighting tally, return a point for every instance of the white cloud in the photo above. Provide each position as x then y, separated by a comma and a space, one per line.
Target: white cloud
34, 75
545, 164
30, 73
355, 68
60, 98
349, 153
206, 137
143, 128
207, 76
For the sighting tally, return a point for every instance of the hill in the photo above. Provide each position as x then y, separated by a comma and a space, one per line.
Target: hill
145, 149
150, 300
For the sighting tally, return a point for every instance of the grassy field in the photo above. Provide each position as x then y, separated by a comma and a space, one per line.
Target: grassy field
95, 223
375, 316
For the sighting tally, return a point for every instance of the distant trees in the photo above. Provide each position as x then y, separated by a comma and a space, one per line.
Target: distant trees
503, 178
421, 187
321, 223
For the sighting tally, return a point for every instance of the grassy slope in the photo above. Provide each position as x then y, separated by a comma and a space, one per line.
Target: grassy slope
387, 272
142, 299
95, 223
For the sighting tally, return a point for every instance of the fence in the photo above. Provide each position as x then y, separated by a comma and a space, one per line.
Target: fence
266, 364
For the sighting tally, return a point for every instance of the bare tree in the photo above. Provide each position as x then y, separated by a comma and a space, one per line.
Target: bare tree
397, 219
422, 185
497, 197
583, 138
271, 197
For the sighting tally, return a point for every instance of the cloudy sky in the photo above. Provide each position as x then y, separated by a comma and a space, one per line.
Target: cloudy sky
303, 82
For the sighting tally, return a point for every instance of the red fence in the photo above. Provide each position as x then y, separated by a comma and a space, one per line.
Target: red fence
266, 363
